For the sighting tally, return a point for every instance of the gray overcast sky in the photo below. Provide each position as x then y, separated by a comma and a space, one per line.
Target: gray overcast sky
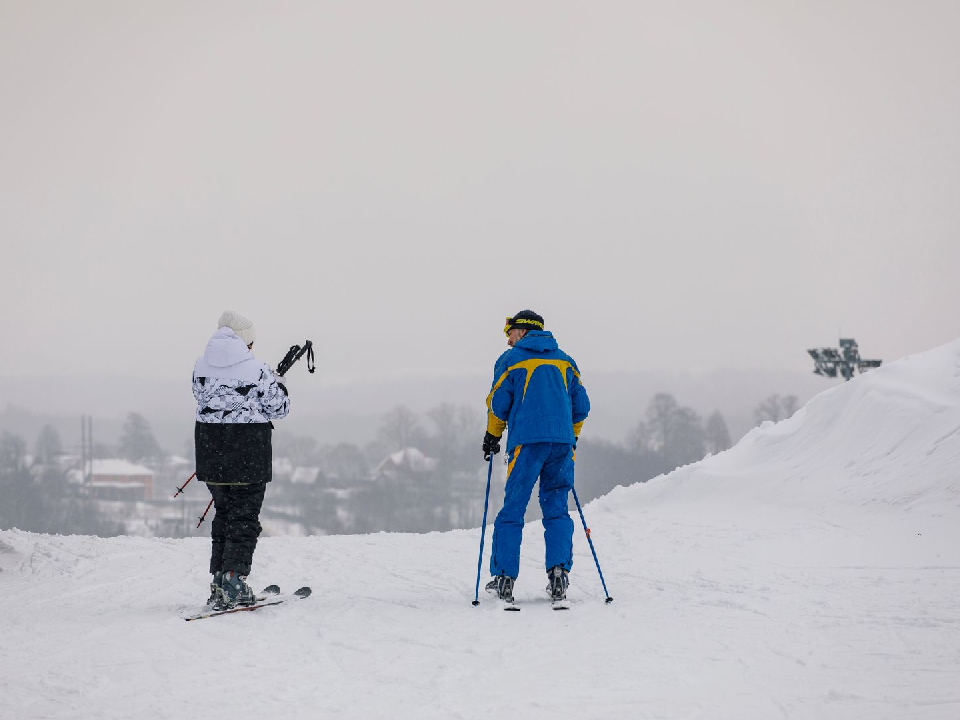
688, 185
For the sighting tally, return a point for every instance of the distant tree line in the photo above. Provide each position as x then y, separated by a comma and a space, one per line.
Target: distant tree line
450, 495
421, 472
35, 494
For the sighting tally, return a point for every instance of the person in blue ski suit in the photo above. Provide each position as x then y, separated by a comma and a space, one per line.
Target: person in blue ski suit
538, 396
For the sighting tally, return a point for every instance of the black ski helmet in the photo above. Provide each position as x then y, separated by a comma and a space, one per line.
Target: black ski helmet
524, 320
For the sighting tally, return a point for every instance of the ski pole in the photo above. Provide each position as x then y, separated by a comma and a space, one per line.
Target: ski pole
587, 531
483, 530
202, 517
180, 489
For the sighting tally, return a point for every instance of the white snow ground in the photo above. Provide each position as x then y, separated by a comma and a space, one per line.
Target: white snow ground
811, 572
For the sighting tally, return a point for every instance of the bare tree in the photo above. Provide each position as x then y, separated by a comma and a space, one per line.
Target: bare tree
137, 441
400, 428
48, 444
775, 408
673, 432
641, 438
658, 427
13, 452
457, 427
769, 409
789, 405
687, 442
717, 435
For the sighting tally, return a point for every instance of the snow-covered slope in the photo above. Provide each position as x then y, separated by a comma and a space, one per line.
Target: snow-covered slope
813, 571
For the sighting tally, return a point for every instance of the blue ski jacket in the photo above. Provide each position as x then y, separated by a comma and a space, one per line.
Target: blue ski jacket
536, 393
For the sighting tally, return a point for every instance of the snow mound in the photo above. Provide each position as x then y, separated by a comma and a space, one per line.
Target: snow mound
810, 572
890, 438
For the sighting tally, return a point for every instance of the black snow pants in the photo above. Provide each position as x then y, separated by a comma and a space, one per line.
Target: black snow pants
236, 526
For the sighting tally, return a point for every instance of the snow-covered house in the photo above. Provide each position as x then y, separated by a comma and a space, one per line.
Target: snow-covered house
305, 476
115, 479
408, 461
282, 469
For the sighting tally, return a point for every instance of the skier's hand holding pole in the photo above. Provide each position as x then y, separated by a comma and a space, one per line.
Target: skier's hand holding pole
491, 445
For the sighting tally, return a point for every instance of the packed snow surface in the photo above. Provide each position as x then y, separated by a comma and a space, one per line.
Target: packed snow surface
813, 571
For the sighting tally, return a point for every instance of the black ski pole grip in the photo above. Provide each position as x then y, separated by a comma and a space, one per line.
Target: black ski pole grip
295, 353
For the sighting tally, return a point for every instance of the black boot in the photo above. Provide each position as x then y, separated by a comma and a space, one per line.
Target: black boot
235, 591
558, 582
215, 589
502, 587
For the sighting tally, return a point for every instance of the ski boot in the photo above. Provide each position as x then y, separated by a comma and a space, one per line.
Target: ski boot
215, 588
234, 591
502, 587
558, 582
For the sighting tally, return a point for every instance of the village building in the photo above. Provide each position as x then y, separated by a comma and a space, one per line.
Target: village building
115, 479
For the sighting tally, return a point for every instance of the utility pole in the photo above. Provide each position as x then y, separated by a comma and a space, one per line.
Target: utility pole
86, 447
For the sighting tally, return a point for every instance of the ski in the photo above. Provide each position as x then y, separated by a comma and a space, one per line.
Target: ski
268, 599
554, 605
263, 595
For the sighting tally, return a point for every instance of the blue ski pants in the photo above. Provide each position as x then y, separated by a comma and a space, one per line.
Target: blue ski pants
553, 464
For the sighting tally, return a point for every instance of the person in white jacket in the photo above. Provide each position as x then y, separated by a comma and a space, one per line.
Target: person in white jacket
237, 398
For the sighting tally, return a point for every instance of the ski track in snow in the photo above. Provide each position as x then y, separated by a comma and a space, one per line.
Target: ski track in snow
812, 572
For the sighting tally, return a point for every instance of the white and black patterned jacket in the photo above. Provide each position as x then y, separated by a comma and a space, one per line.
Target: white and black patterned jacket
232, 386
237, 397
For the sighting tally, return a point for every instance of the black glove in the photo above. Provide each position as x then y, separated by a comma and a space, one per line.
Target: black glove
491, 446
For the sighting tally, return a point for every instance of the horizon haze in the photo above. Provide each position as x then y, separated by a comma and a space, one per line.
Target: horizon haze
677, 188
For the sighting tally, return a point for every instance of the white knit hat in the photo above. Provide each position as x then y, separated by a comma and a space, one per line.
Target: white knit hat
239, 324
